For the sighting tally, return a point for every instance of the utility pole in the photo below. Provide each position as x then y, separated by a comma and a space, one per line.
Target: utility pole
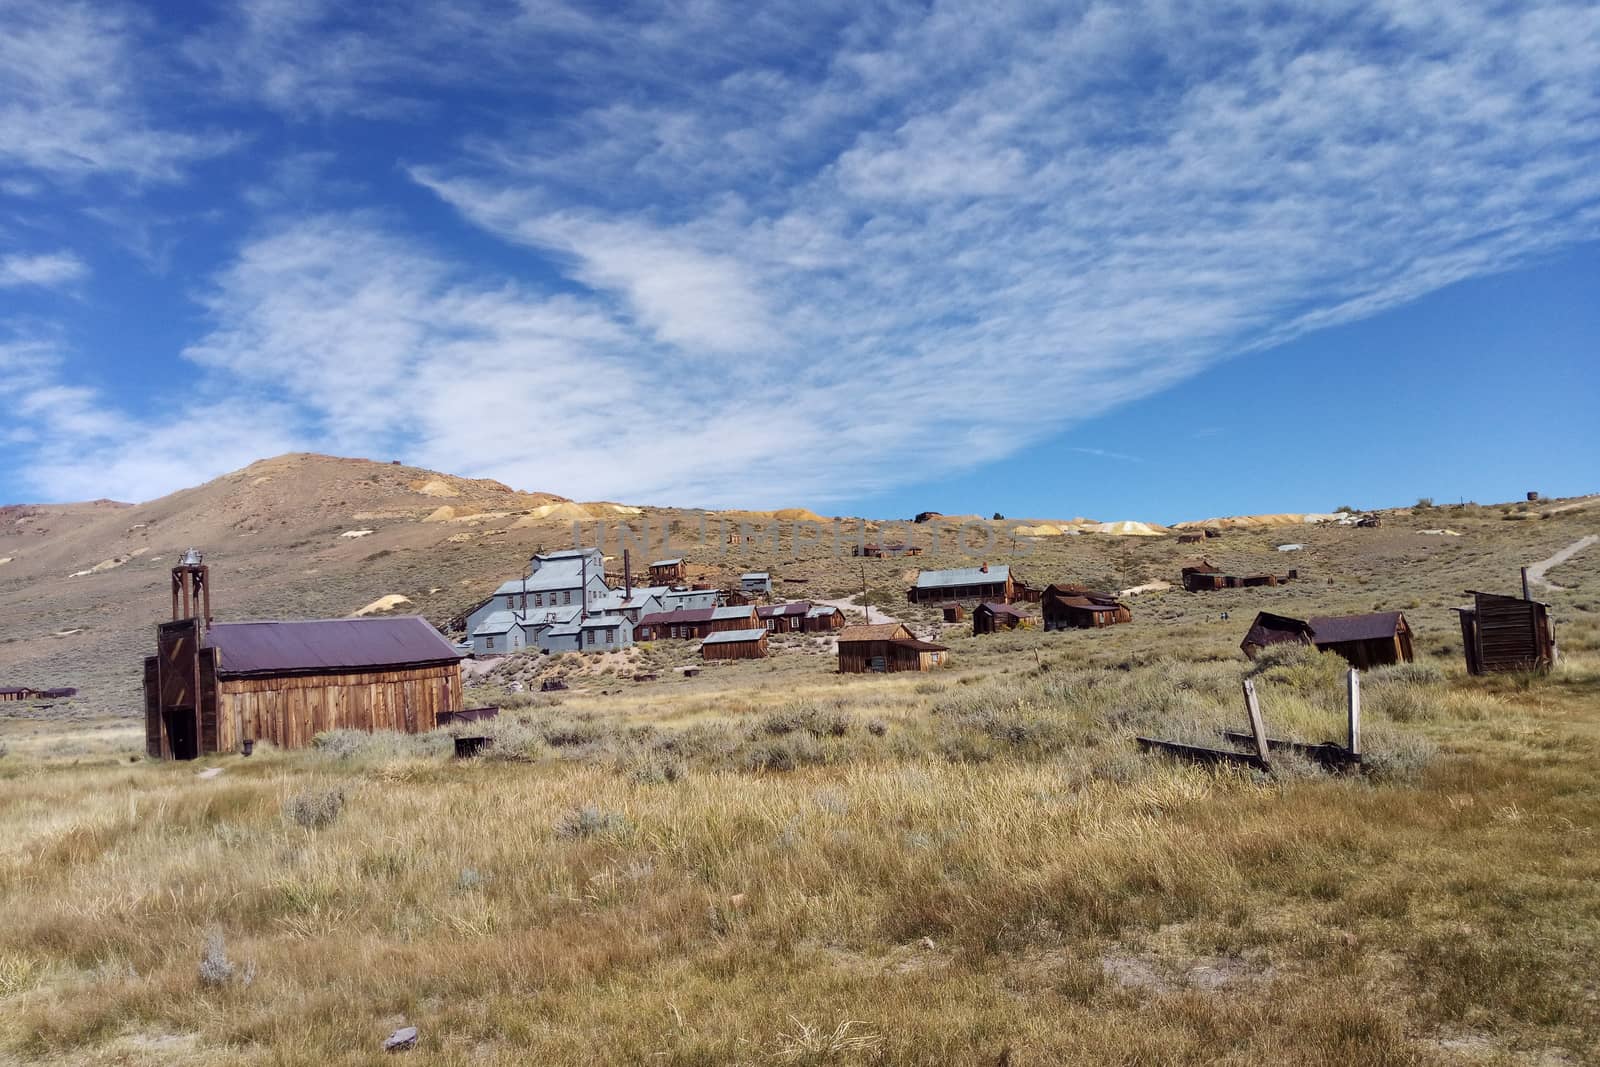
865, 603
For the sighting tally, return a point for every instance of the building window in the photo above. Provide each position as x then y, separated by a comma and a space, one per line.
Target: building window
591, 637
566, 596
610, 638
488, 642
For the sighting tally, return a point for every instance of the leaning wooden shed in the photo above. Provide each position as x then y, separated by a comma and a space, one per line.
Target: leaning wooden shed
1269, 629
886, 647
735, 644
1375, 639
1507, 633
990, 617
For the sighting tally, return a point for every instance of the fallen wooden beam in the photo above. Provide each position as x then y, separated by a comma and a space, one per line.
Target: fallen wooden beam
1200, 754
1327, 753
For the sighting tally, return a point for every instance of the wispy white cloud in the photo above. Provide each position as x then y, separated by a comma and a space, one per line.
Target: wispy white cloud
47, 269
745, 257
71, 105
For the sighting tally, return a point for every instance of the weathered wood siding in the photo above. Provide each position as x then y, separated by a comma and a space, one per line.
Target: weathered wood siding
1512, 634
753, 649
289, 710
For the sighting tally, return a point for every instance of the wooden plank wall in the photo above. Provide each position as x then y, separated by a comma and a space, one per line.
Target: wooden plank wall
155, 735
1510, 635
736, 650
290, 710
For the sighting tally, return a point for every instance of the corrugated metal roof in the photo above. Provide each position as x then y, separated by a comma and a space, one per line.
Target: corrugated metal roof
673, 618
1001, 609
962, 576
497, 623
1335, 629
920, 645
328, 645
757, 575
822, 610
724, 637
667, 562
732, 611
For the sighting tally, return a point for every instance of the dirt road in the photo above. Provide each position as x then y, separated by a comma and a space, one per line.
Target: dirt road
1536, 571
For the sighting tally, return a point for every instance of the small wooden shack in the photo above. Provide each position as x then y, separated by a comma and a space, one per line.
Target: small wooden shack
1507, 633
872, 551
824, 618
1074, 608
886, 647
990, 617
1191, 538
954, 612
668, 572
1375, 639
735, 644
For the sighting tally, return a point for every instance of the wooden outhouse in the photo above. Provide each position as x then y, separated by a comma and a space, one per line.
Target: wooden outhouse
1507, 633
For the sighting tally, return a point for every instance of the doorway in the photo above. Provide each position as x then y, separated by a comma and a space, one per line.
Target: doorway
180, 733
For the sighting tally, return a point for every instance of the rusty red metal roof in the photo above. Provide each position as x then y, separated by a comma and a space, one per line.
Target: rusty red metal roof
315, 645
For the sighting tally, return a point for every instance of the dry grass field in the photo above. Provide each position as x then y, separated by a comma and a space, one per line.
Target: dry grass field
771, 863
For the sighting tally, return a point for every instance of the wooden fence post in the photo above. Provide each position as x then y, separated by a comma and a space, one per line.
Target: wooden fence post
1257, 730
1355, 712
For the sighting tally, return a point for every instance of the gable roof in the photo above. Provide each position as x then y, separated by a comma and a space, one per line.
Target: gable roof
667, 562
878, 631
963, 576
328, 645
1270, 629
995, 608
1336, 629
919, 645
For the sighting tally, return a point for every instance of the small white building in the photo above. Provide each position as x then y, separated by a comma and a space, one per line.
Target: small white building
755, 582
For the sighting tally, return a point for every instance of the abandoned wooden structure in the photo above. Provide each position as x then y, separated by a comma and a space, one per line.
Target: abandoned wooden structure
1507, 633
16, 693
1202, 577
1075, 608
971, 584
954, 612
873, 551
668, 572
784, 618
824, 618
886, 647
735, 644
211, 688
1191, 538
991, 617
696, 623
1375, 639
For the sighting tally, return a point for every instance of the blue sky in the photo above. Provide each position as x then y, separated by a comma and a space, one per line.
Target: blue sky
1144, 261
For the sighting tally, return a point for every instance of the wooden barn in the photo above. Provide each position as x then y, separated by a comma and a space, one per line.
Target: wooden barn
1507, 633
886, 647
1072, 608
971, 584
210, 688
824, 618
696, 623
668, 572
1375, 639
990, 617
735, 644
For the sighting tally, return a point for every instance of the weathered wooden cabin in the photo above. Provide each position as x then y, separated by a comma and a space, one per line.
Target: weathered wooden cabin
735, 644
784, 618
1072, 608
696, 623
210, 688
824, 618
668, 572
1375, 639
954, 612
886, 647
990, 617
1507, 633
970, 584
1201, 575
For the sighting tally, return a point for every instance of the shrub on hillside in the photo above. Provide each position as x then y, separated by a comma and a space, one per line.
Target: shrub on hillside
314, 809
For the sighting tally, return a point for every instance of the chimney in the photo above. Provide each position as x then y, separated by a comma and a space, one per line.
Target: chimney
627, 575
